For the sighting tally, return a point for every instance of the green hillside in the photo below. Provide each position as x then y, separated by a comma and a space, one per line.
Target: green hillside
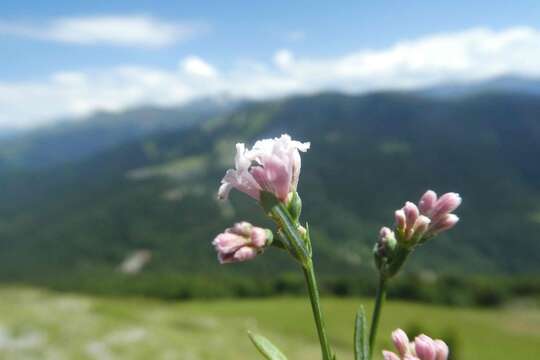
369, 154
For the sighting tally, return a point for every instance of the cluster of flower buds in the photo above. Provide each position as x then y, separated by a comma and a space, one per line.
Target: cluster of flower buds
272, 165
241, 242
432, 216
414, 225
422, 348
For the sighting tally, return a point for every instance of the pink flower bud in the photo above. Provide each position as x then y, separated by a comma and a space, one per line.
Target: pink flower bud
228, 242
245, 253
435, 217
272, 165
411, 213
446, 222
401, 221
401, 341
385, 232
420, 227
241, 242
242, 228
441, 349
424, 347
427, 202
258, 237
445, 205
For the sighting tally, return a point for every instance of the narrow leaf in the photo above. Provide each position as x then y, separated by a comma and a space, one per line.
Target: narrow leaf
361, 344
266, 348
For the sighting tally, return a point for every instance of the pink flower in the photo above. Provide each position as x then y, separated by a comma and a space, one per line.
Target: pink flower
272, 165
422, 348
241, 242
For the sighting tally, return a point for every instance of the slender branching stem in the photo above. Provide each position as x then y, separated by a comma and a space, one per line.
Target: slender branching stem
313, 291
379, 300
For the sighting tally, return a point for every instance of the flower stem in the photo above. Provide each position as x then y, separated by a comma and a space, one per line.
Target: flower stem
379, 300
313, 290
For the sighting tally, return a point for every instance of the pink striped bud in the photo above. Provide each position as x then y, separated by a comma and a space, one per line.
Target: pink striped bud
424, 347
420, 227
427, 202
401, 221
243, 254
445, 205
401, 341
446, 222
241, 242
242, 228
441, 349
431, 217
411, 213
259, 237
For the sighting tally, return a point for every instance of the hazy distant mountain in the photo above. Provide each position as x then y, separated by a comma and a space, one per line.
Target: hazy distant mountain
369, 154
505, 84
72, 140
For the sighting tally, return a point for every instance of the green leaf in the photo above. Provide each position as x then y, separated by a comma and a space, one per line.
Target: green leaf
361, 344
266, 348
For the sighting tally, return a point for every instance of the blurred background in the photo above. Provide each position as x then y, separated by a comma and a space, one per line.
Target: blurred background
118, 120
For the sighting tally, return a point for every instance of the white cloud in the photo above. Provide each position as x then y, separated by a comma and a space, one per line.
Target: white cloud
463, 56
283, 59
135, 30
193, 65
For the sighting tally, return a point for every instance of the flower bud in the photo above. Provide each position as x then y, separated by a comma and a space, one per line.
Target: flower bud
401, 341
441, 349
427, 202
411, 213
425, 347
445, 205
420, 227
294, 205
384, 247
241, 242
415, 225
400, 220
446, 222
422, 348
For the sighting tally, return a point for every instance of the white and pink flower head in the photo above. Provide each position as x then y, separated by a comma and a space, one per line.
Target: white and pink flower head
422, 348
241, 242
271, 165
432, 216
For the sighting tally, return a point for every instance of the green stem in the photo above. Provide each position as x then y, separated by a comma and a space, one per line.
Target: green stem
316, 307
379, 300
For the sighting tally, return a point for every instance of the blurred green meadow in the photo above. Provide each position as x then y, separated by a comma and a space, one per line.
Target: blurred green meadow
40, 324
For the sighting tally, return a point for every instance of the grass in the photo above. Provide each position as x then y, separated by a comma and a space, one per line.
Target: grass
37, 324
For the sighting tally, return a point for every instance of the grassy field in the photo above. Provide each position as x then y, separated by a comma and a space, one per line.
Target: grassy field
37, 324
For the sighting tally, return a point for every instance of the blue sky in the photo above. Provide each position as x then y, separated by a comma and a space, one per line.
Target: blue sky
67, 58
